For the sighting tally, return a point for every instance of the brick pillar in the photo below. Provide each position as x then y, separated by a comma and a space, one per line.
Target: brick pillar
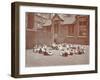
30, 20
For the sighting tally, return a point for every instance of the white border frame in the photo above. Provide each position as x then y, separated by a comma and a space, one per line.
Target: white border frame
52, 69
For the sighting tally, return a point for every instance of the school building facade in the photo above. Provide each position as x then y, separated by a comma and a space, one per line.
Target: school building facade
47, 28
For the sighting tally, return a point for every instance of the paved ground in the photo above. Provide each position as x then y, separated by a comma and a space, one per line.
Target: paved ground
35, 59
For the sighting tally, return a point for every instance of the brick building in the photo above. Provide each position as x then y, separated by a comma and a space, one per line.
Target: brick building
46, 28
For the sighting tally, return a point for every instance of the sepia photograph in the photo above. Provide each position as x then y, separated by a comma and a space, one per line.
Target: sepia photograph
55, 39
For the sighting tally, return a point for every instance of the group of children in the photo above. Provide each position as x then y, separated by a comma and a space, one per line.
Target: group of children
63, 49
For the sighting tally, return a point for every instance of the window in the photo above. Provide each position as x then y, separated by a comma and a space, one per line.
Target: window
83, 23
56, 26
83, 31
83, 26
71, 30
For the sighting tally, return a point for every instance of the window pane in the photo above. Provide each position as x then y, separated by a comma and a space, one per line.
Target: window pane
71, 30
